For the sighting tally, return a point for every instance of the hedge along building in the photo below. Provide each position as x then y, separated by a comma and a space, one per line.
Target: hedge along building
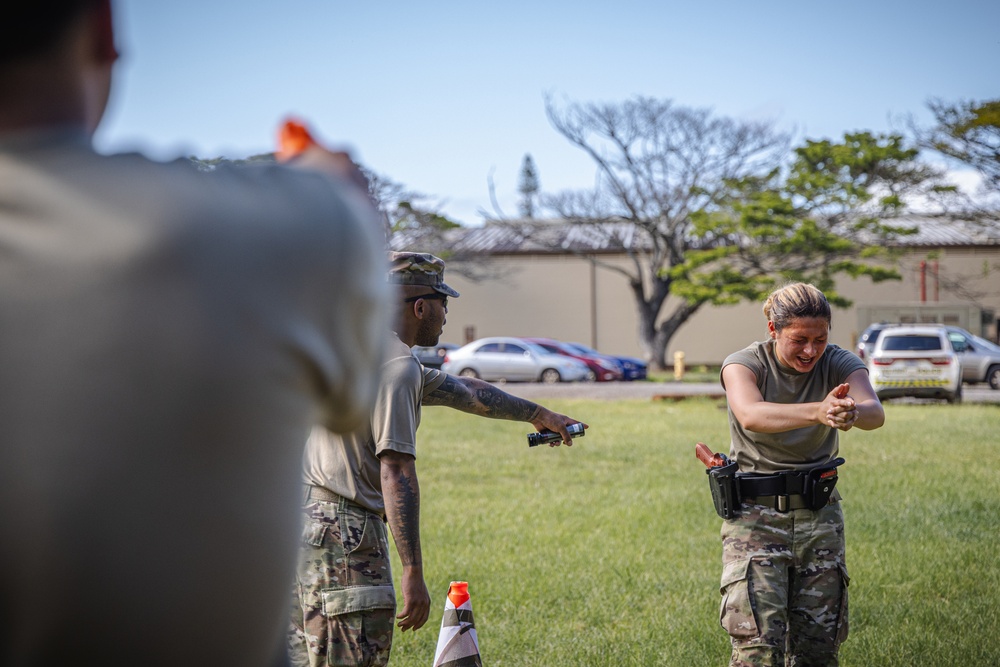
533, 278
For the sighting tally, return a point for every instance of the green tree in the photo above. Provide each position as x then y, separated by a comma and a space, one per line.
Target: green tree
706, 213
406, 211
415, 223
831, 214
208, 164
528, 186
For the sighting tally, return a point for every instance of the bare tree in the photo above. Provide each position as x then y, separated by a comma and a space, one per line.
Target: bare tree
966, 131
708, 212
658, 165
414, 223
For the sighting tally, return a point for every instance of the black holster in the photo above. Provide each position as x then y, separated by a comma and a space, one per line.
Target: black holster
820, 483
725, 489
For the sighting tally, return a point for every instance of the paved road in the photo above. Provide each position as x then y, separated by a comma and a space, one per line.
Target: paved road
612, 390
671, 390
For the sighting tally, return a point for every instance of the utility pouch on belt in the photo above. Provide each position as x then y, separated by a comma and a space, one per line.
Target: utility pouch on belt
725, 490
820, 483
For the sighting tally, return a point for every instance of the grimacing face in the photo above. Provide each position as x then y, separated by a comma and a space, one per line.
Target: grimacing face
801, 343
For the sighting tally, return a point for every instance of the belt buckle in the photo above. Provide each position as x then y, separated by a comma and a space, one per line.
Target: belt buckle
782, 502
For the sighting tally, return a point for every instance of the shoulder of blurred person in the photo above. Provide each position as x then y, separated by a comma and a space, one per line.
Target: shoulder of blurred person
167, 338
302, 240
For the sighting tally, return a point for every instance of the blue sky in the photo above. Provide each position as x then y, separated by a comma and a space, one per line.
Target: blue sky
439, 95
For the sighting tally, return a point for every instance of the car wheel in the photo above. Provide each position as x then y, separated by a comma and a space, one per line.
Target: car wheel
993, 377
591, 376
468, 373
957, 396
551, 376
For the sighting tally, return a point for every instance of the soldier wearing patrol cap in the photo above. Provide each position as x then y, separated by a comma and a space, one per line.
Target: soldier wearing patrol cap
343, 600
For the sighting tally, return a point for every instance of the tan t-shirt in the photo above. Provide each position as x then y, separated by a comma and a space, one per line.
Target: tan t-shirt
801, 448
348, 464
167, 339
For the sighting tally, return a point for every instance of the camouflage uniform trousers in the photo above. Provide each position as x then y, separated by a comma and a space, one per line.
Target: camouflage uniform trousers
343, 604
784, 586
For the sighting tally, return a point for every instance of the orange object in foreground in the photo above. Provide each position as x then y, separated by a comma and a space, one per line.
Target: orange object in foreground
458, 593
706, 456
294, 139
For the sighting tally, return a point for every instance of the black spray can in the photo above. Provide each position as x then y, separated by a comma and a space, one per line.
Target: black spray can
542, 437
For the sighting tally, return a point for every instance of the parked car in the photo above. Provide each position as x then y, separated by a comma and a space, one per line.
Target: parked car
432, 357
600, 368
868, 338
506, 358
917, 361
632, 368
980, 359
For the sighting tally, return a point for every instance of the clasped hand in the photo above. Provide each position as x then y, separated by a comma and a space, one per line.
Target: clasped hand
839, 409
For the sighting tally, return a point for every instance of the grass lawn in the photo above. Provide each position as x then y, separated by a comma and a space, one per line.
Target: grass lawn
607, 553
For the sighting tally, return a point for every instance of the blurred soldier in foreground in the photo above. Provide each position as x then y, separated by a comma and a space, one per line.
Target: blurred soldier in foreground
167, 339
344, 602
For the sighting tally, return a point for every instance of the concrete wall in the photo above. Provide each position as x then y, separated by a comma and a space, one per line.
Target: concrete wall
564, 297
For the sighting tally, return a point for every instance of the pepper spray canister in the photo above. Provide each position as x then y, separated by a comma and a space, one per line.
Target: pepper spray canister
542, 437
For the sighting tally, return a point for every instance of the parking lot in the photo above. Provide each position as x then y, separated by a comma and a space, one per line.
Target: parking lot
610, 391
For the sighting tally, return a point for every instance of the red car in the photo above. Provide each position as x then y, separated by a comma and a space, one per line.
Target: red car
601, 370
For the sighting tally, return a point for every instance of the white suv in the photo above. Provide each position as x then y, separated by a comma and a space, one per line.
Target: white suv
915, 361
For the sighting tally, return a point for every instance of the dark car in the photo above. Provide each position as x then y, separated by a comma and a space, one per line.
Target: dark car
432, 357
632, 368
599, 368
868, 338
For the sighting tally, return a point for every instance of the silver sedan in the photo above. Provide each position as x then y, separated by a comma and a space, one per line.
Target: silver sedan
512, 359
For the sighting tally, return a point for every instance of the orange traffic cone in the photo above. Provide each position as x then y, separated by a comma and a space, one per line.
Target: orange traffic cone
458, 645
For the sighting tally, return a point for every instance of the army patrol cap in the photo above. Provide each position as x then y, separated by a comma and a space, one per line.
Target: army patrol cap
418, 268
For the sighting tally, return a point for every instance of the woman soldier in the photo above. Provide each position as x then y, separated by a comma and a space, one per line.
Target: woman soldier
784, 580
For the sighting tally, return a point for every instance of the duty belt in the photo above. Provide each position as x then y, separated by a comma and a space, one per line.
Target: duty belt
777, 484
784, 491
792, 490
784, 503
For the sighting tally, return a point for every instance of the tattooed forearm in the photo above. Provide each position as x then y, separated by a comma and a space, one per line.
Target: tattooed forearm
480, 398
501, 405
402, 505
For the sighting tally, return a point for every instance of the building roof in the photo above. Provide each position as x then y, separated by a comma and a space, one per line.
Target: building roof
940, 231
548, 236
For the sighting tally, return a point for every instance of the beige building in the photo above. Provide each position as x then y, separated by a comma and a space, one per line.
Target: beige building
950, 273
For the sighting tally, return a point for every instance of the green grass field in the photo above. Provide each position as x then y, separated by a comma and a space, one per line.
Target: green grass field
607, 553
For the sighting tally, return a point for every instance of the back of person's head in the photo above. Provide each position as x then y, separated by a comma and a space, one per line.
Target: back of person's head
31, 27
793, 301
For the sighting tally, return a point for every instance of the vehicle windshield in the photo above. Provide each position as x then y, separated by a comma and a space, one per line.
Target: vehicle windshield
536, 348
911, 343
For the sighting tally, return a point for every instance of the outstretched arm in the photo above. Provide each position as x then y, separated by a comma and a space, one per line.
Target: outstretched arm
402, 511
481, 398
756, 414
